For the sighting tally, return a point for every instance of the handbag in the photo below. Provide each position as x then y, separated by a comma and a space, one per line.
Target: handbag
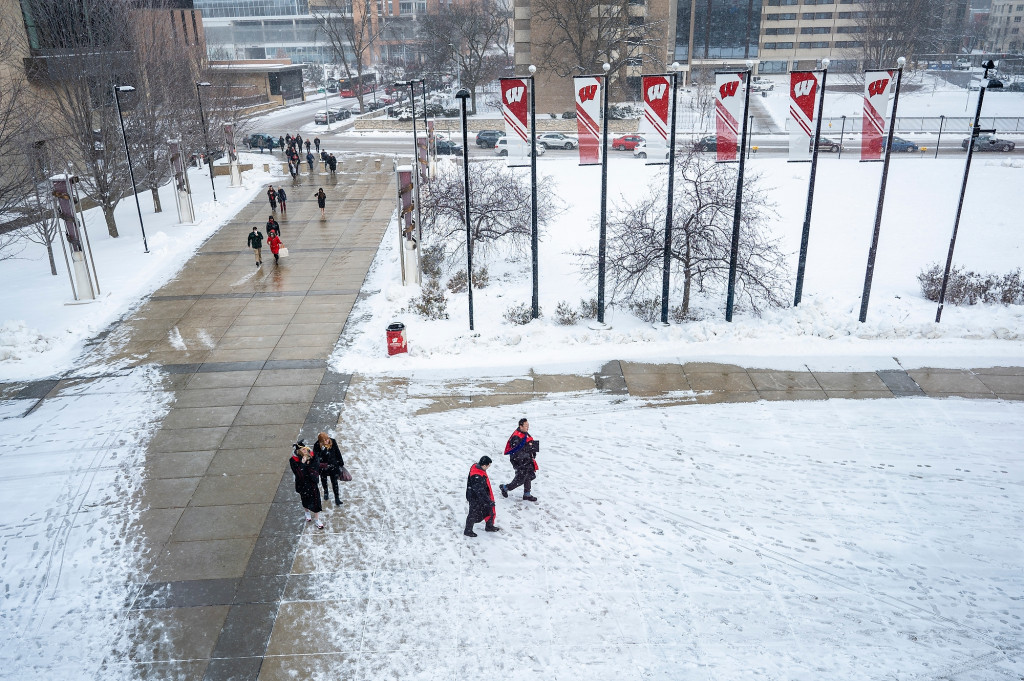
283, 251
345, 475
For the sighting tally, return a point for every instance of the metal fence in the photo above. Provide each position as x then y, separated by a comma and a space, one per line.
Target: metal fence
910, 124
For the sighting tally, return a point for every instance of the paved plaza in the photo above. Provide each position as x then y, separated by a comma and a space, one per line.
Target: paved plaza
231, 579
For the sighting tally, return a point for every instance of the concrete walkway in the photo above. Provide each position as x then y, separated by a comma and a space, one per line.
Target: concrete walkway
231, 579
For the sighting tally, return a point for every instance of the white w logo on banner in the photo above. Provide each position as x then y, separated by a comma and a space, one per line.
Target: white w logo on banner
514, 94
803, 88
656, 91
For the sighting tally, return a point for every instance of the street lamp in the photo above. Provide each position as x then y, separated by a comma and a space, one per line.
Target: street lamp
738, 209
411, 84
206, 135
666, 264
128, 153
462, 95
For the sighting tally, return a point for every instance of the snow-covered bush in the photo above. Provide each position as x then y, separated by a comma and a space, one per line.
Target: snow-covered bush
432, 303
457, 284
566, 314
520, 314
970, 288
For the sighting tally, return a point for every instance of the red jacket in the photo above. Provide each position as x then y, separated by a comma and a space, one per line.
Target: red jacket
516, 449
274, 242
478, 489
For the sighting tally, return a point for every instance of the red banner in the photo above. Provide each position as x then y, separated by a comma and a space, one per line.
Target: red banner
803, 96
876, 106
729, 94
515, 109
588, 118
655, 125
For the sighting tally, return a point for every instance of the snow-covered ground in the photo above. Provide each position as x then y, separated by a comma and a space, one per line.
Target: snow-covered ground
835, 540
916, 228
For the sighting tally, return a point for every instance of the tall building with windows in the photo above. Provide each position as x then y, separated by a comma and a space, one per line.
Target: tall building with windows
1005, 27
798, 34
261, 29
723, 30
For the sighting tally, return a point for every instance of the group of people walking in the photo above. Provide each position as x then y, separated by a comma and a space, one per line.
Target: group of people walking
293, 147
314, 466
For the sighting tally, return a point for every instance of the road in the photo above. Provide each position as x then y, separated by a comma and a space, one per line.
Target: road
299, 118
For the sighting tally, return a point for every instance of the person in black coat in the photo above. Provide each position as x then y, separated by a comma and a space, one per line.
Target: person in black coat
521, 450
272, 197
480, 498
331, 462
306, 469
273, 226
255, 242
321, 200
282, 198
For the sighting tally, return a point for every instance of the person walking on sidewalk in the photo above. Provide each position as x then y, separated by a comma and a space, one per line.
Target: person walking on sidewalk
521, 452
317, 143
272, 197
274, 241
309, 161
256, 244
331, 462
334, 164
321, 200
280, 143
480, 498
273, 227
306, 469
282, 198
308, 145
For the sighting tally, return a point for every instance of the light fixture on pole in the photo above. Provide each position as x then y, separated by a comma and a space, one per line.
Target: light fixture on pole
462, 95
975, 131
738, 211
206, 136
667, 257
128, 153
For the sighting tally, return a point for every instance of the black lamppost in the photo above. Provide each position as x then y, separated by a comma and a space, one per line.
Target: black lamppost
602, 240
737, 211
462, 95
128, 153
805, 235
415, 153
873, 250
534, 233
666, 264
206, 136
975, 130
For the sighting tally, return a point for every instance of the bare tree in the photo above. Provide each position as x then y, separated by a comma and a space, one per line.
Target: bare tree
469, 34
889, 29
351, 28
14, 96
585, 33
701, 240
163, 104
89, 52
499, 210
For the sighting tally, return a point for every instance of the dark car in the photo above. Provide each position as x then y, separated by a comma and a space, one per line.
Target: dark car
709, 143
825, 144
900, 144
448, 147
257, 137
488, 138
988, 143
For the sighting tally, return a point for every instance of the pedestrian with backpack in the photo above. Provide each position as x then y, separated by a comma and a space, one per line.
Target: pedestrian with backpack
521, 450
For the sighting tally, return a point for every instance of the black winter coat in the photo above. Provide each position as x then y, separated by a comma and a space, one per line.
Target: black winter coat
479, 494
329, 457
255, 239
307, 481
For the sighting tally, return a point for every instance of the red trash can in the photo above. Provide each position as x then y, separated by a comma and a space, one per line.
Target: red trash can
396, 339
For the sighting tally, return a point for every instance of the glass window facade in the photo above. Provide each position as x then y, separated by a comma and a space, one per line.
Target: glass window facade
251, 8
723, 29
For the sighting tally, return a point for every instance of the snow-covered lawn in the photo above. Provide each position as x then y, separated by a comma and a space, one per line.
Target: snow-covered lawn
916, 228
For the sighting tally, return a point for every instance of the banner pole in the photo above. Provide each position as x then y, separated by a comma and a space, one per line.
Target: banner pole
734, 252
963, 189
869, 274
667, 259
533, 195
602, 240
806, 235
462, 95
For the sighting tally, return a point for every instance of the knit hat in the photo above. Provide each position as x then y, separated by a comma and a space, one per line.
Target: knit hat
484, 460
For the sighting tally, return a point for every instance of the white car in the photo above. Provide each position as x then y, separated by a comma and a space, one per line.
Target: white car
501, 147
556, 140
761, 84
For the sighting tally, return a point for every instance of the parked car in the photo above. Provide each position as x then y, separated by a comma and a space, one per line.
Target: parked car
446, 147
571, 113
1014, 87
640, 150
988, 143
488, 138
257, 137
825, 144
963, 64
993, 84
373, 106
709, 143
556, 140
341, 114
627, 142
900, 144
761, 84
501, 147
325, 117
